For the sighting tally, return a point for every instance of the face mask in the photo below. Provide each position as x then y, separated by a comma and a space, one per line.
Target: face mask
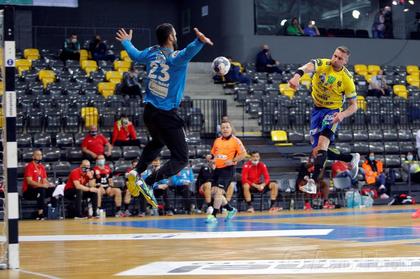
371, 158
100, 162
410, 157
266, 50
74, 41
85, 169
255, 162
125, 121
38, 161
93, 133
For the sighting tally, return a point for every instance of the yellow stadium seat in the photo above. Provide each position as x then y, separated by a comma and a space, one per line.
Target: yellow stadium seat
306, 80
113, 76
90, 116
373, 69
124, 56
88, 70
125, 65
286, 90
84, 54
413, 80
412, 69
400, 90
106, 88
23, 65
31, 54
46, 76
368, 77
361, 103
360, 69
88, 63
279, 137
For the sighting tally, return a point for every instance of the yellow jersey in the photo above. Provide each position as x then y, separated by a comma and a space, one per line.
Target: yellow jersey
329, 86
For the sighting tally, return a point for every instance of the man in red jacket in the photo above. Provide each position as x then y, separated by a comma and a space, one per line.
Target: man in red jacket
124, 133
95, 144
252, 182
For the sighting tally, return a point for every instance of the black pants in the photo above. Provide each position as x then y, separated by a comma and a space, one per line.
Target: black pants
222, 177
77, 196
164, 194
185, 192
135, 142
40, 194
165, 128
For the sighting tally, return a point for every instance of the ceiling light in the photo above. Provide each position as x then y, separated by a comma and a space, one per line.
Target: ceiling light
406, 10
355, 14
283, 22
411, 2
395, 3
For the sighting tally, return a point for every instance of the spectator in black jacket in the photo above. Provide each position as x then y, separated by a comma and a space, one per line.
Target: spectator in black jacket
265, 63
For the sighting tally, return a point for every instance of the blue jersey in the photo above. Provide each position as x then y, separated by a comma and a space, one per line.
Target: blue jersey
148, 172
184, 177
166, 72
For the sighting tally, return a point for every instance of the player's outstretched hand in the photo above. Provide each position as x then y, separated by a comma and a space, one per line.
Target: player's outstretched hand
122, 35
294, 82
338, 117
202, 37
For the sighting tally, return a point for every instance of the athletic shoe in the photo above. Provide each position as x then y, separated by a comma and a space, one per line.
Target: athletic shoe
309, 187
136, 185
416, 214
127, 213
307, 206
328, 205
40, 217
384, 196
231, 214
355, 165
275, 209
250, 210
120, 214
141, 214
211, 219
169, 213
209, 210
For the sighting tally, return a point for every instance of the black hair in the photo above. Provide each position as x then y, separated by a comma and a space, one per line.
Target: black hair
162, 32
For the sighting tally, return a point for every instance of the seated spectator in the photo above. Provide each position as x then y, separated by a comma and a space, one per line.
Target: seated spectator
98, 49
105, 185
94, 144
160, 188
234, 75
127, 195
374, 175
311, 30
411, 167
204, 183
130, 84
181, 183
378, 86
124, 133
71, 49
343, 169
252, 171
294, 29
378, 25
265, 63
36, 185
81, 185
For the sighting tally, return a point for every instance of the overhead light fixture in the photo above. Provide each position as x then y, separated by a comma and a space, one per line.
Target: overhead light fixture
406, 10
395, 3
283, 22
355, 14
411, 2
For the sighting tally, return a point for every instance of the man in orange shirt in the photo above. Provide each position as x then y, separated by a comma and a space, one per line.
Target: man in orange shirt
94, 144
226, 152
35, 184
124, 133
79, 185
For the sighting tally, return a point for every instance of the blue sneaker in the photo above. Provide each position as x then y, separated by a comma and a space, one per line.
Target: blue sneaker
211, 219
231, 214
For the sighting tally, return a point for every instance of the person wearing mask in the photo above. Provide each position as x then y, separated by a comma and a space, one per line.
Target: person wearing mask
377, 85
95, 144
311, 30
374, 175
81, 185
124, 133
252, 172
294, 29
98, 49
36, 185
130, 85
71, 49
266, 63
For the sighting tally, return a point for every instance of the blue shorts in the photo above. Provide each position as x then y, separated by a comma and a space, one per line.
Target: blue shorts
321, 119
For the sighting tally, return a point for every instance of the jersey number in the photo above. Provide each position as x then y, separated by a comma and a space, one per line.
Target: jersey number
163, 76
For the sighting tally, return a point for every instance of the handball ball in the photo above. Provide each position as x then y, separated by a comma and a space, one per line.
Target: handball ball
220, 65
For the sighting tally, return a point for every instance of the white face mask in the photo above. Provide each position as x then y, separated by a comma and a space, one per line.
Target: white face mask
255, 162
74, 41
100, 162
410, 157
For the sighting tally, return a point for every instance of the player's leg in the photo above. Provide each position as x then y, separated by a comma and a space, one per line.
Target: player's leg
274, 190
229, 191
334, 154
247, 196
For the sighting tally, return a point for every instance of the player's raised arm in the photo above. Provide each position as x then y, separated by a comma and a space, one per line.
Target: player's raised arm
185, 55
307, 68
125, 39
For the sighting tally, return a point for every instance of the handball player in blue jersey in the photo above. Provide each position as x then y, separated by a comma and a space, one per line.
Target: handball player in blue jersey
165, 82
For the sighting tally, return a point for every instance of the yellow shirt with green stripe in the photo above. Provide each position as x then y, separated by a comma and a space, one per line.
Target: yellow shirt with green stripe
329, 86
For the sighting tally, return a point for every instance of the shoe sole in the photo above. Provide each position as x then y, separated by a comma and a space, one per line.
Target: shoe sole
148, 199
132, 187
356, 169
231, 217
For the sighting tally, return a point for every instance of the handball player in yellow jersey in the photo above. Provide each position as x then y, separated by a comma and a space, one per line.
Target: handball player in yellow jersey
332, 84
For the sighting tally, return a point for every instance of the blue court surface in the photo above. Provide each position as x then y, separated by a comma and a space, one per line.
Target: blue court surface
259, 223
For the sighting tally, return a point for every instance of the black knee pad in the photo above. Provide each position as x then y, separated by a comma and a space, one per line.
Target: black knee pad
327, 133
320, 159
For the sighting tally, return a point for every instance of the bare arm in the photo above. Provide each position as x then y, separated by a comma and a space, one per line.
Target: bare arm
339, 116
307, 68
36, 184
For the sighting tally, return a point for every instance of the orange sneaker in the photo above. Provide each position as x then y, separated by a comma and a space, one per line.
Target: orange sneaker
307, 206
275, 209
416, 214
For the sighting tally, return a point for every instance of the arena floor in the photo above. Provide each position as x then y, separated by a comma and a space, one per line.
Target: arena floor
341, 243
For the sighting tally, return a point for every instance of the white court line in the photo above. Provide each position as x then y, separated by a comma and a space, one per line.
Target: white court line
270, 267
38, 274
186, 235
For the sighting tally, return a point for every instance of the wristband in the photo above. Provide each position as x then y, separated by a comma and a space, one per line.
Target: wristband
300, 72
